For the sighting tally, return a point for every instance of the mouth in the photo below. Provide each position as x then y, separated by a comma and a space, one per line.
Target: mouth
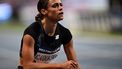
61, 13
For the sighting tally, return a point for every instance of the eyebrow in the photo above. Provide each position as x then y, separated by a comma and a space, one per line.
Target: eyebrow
56, 3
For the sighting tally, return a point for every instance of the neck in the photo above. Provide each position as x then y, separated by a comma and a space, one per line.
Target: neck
49, 27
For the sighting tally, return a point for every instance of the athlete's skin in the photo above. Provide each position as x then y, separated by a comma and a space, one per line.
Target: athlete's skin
49, 22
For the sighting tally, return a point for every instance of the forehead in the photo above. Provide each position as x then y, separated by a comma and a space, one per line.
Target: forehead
54, 1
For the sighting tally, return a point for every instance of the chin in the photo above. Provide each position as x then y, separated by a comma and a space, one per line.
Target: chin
60, 19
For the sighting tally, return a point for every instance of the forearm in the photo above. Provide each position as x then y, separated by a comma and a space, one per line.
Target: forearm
41, 66
71, 55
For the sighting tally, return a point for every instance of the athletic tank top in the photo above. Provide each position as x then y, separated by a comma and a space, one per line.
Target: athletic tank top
46, 47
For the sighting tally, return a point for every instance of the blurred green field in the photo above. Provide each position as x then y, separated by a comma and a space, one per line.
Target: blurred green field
18, 27
12, 26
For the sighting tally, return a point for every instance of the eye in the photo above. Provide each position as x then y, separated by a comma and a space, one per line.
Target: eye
61, 4
55, 5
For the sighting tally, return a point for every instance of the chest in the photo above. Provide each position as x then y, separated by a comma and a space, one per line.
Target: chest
48, 44
47, 48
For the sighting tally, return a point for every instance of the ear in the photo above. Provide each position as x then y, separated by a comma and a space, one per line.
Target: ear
43, 11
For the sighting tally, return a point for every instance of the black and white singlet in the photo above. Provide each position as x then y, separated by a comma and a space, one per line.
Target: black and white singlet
46, 47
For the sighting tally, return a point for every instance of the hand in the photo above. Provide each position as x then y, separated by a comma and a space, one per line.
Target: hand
70, 65
74, 64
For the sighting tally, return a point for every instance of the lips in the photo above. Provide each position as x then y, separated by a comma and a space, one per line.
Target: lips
61, 13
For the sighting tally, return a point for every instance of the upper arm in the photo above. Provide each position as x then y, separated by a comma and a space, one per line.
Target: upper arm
28, 49
69, 50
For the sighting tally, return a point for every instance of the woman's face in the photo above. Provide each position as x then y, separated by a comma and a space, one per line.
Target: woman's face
55, 10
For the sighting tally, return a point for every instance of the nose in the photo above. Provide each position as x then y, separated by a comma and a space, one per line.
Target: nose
60, 8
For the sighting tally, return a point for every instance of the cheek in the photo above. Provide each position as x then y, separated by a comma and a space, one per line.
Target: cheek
52, 12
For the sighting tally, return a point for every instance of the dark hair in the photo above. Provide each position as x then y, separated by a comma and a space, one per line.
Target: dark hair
42, 4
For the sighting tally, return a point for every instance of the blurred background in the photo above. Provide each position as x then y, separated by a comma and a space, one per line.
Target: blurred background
96, 26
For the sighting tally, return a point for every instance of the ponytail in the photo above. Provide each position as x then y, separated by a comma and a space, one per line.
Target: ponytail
38, 17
